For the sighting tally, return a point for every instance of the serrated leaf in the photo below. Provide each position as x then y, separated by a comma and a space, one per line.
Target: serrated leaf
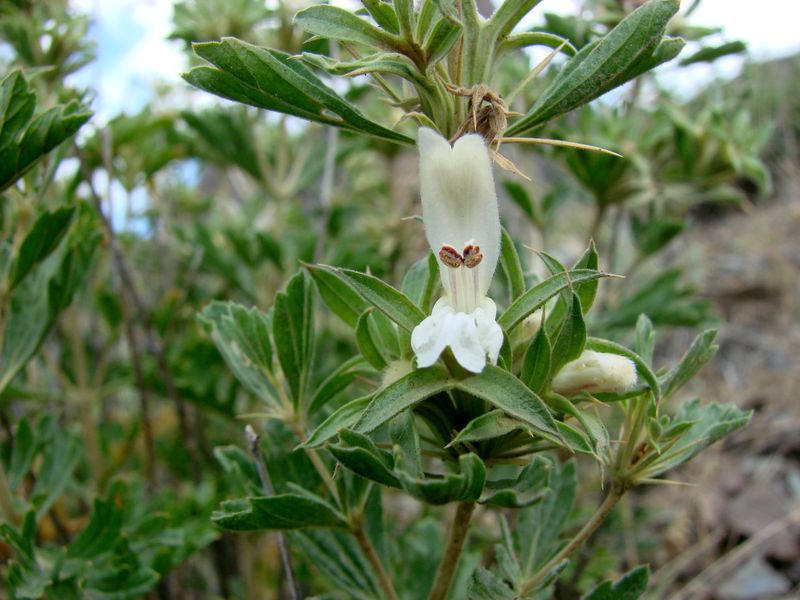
530, 487
699, 353
402, 394
504, 391
242, 336
283, 511
537, 296
709, 423
467, 484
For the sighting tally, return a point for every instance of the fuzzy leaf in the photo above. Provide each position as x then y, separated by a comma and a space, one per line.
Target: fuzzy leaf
284, 511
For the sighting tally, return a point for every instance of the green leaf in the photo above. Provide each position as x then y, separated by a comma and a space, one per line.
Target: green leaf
293, 334
488, 426
389, 63
339, 24
467, 484
526, 39
645, 339
420, 282
521, 197
242, 336
43, 238
536, 362
340, 560
341, 377
709, 423
402, 394
17, 104
383, 14
627, 50
642, 368
359, 454
338, 294
44, 292
403, 431
571, 338
270, 79
385, 298
530, 487
711, 53
284, 511
537, 296
539, 526
507, 16
24, 138
59, 460
588, 290
367, 345
440, 40
509, 261
630, 586
699, 353
343, 417
504, 391
25, 447
102, 532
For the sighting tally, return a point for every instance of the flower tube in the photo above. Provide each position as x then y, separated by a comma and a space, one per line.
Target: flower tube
462, 225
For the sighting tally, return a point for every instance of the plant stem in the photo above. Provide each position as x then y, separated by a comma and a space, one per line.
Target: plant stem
286, 559
580, 538
375, 561
455, 544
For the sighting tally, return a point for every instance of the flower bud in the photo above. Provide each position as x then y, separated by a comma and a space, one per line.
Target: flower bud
595, 372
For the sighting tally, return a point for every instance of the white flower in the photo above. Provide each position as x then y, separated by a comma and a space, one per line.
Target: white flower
462, 224
595, 372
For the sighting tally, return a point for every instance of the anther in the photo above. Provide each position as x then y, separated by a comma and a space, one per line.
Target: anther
472, 256
450, 257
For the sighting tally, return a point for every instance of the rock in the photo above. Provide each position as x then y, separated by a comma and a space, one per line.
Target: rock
755, 580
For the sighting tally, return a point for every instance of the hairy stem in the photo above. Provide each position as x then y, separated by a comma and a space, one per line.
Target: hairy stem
455, 544
375, 561
576, 542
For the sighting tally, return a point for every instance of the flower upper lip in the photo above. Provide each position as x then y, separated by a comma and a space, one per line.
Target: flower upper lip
462, 225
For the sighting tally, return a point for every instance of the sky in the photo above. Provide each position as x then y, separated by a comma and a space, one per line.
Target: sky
133, 53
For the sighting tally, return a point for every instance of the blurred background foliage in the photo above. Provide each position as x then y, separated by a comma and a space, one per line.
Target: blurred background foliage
117, 410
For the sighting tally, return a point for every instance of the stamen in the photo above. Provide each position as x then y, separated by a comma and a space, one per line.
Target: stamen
450, 257
472, 256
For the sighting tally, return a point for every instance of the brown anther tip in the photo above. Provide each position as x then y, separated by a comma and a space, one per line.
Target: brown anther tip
450, 257
472, 256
